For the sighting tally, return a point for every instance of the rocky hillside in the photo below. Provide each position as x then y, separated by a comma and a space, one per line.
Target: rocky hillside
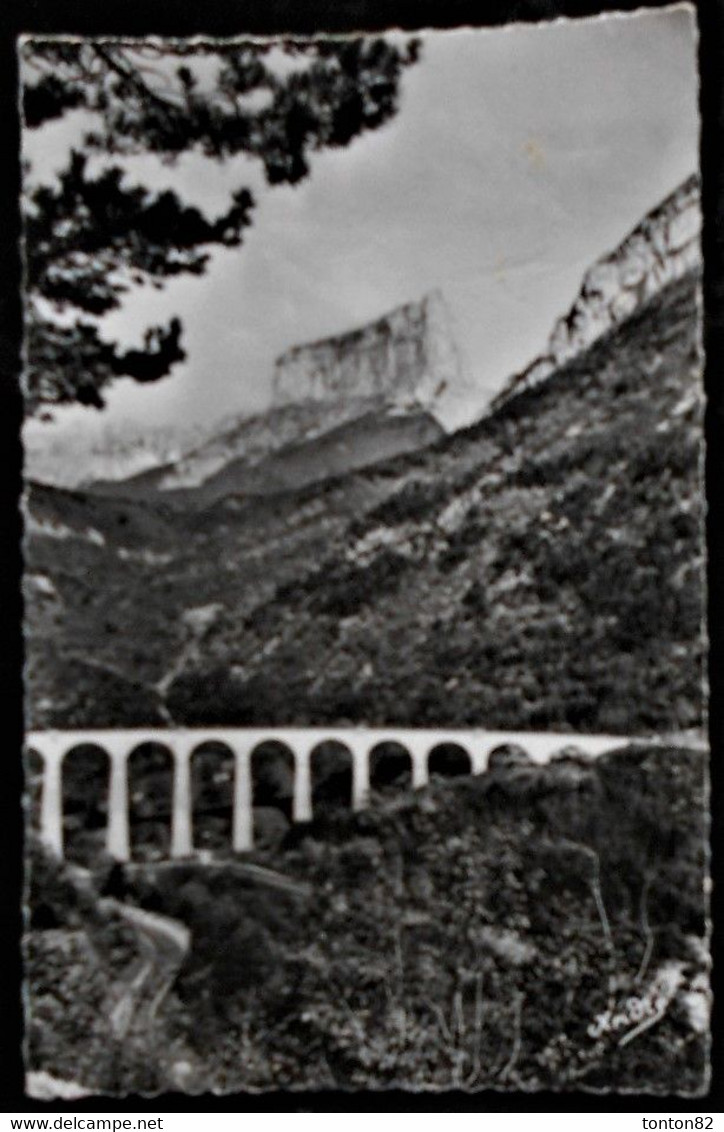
541, 569
284, 449
662, 248
358, 443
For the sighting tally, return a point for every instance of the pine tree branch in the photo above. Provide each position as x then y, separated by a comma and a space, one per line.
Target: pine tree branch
130, 74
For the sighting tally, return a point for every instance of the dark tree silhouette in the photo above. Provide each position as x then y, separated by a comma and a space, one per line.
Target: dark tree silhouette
91, 236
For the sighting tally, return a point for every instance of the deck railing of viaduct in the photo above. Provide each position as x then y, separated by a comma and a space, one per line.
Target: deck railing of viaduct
54, 746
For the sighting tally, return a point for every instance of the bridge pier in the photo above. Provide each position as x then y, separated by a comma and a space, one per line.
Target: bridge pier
51, 801
242, 836
478, 756
118, 841
419, 755
360, 775
302, 800
181, 821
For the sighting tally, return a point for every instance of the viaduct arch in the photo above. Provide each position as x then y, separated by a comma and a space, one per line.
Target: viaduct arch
362, 744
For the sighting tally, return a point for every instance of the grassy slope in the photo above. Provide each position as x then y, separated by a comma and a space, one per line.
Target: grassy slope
540, 569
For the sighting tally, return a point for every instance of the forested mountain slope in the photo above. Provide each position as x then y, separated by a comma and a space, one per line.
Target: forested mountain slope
540, 569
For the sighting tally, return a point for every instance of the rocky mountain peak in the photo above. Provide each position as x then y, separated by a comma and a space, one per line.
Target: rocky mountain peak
663, 247
407, 357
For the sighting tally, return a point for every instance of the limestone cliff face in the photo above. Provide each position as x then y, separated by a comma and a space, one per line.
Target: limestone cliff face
408, 357
663, 247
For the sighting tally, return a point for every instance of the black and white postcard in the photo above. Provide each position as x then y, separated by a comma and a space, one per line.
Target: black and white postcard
364, 562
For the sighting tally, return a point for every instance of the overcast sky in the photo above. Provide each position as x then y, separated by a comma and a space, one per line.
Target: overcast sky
518, 156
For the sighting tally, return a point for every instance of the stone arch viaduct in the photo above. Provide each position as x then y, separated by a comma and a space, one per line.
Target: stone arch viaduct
54, 746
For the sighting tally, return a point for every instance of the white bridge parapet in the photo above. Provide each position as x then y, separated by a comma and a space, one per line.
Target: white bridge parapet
361, 743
